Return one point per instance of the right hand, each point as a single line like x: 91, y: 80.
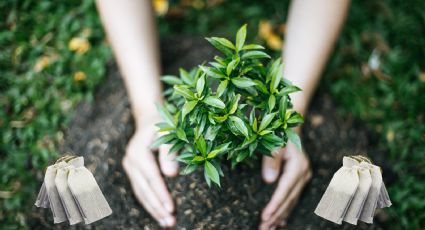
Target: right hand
x: 146, y: 180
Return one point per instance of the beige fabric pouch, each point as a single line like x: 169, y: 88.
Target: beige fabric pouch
x: 55, y: 203
x: 87, y: 195
x: 61, y: 181
x: 338, y: 196
x: 372, y: 198
x: 356, y: 206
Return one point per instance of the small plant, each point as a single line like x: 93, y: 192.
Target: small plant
x: 233, y: 109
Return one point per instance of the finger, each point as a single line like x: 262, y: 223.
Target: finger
x: 140, y: 193
x: 151, y: 172
x: 286, y: 182
x: 168, y: 166
x: 266, y: 226
x: 285, y: 209
x: 271, y: 167
x: 145, y: 183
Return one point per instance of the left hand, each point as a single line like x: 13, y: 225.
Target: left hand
x: 296, y: 173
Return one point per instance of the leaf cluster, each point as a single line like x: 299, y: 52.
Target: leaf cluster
x: 233, y: 108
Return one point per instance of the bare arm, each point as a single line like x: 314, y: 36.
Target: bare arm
x: 312, y: 29
x: 130, y: 26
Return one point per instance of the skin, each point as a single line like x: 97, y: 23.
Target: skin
x: 130, y: 26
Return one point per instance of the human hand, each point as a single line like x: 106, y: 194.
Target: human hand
x: 146, y: 180
x: 296, y: 173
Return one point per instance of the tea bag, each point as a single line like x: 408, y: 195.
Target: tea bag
x: 356, y: 206
x: 61, y: 181
x: 338, y: 196
x: 87, y: 195
x: 372, y: 198
x: 42, y: 199
x: 55, y: 204
x: 383, y: 199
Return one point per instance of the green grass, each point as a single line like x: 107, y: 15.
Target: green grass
x: 36, y: 105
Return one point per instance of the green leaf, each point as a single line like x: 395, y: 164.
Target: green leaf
x: 288, y: 89
x: 177, y: 147
x: 266, y: 121
x: 200, y: 85
x: 185, y: 158
x: 240, y: 37
x: 242, y: 156
x: 235, y: 104
x: 212, y: 154
x: 222, y: 87
x: 201, y: 145
x: 207, y: 178
x: 240, y: 125
x: 212, y: 172
x: 276, y: 77
x: 222, y: 148
x: 188, y: 107
x: 265, y: 132
x: 243, y: 82
x: 223, y: 42
x: 259, y: 85
x: 294, y: 138
x: 184, y: 91
x: 212, y: 132
x: 232, y: 65
x: 255, y: 55
x: 273, y: 70
x: 171, y: 80
x: 198, y: 159
x: 252, y: 47
x: 185, y: 76
x: 283, y: 104
x: 189, y: 169
x: 165, y: 139
x: 181, y: 134
x: 215, y: 102
x: 272, y: 102
x: 212, y: 72
x: 296, y: 118
x: 163, y: 127
x: 163, y: 112
x: 220, y: 46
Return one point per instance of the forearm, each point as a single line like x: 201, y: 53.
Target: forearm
x: 312, y: 29
x: 131, y: 30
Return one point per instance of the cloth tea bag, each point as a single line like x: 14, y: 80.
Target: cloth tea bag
x: 372, y: 198
x: 356, y: 206
x: 55, y: 204
x: 61, y: 181
x: 383, y: 199
x: 71, y: 210
x: 42, y: 199
x: 338, y: 196
x: 87, y: 195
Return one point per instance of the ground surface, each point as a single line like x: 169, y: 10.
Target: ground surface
x: 101, y: 129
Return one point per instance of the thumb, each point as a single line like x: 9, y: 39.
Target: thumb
x: 271, y: 166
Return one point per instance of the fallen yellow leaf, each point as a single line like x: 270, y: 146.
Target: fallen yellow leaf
x: 274, y: 42
x: 160, y: 6
x: 264, y: 29
x: 41, y: 63
x: 422, y: 76
x: 79, y: 76
x: 79, y: 45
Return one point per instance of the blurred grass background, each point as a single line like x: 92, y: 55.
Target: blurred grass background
x: 53, y: 55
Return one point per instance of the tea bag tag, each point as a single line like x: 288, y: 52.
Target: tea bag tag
x: 338, y: 196
x: 87, y: 195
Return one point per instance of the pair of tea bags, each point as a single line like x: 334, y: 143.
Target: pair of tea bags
x: 70, y: 190
x: 354, y: 193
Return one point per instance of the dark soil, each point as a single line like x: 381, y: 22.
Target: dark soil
x: 101, y: 129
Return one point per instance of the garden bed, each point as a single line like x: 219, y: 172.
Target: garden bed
x: 101, y: 129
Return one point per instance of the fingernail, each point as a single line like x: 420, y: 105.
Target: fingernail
x: 168, y: 207
x: 270, y: 174
x: 162, y: 222
x: 169, y: 221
